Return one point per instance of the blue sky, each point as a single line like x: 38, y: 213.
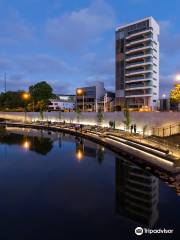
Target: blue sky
x: 70, y: 43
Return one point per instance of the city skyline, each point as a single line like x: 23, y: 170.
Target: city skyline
x: 37, y: 42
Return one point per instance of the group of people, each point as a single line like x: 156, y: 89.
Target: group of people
x: 133, y: 128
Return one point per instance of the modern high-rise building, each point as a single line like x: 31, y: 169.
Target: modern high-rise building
x: 137, y: 65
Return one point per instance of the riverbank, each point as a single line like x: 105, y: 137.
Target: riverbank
x: 138, y: 152
x: 151, y: 121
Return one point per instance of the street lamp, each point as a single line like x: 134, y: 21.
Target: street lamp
x: 164, y: 96
x: 177, y: 78
x: 80, y: 92
x: 25, y: 97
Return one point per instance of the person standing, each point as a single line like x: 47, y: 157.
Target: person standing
x: 131, y: 128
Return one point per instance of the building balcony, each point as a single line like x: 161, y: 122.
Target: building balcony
x: 137, y: 64
x: 139, y: 41
x: 138, y: 79
x: 140, y: 48
x: 138, y: 87
x: 139, y: 33
x: 139, y: 95
x: 137, y: 72
x: 138, y: 56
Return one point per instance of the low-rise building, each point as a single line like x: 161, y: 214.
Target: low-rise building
x: 87, y: 97
x: 66, y: 98
x: 56, y: 105
x: 107, y: 102
x: 63, y: 102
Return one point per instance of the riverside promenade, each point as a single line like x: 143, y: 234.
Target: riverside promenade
x: 133, y: 147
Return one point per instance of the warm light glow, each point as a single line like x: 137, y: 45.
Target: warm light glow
x: 79, y: 91
x: 26, y: 145
x: 177, y: 77
x: 25, y: 96
x: 79, y: 155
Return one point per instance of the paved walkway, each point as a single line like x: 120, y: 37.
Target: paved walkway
x: 99, y: 131
x: 151, y: 141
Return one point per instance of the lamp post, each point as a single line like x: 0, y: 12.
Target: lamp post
x: 33, y: 101
x: 25, y: 97
x: 80, y: 92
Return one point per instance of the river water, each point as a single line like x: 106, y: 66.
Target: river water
x: 57, y: 186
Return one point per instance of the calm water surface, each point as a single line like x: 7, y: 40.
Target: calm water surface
x: 56, y: 186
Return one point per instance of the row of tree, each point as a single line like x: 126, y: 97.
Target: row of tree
x: 37, y: 98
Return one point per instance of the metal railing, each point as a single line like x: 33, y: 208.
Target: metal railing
x: 170, y: 130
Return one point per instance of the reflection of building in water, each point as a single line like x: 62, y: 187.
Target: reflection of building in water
x: 137, y: 193
x: 89, y: 149
x: 60, y: 140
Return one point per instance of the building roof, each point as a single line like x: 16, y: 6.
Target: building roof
x: 135, y: 22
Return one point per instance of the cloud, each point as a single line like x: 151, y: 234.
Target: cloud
x: 102, y: 66
x: 15, y: 31
x: 99, y: 67
x: 169, y: 39
x: 77, y: 29
x: 23, y: 70
x: 5, y: 64
x: 61, y: 86
x: 166, y: 83
x: 42, y: 63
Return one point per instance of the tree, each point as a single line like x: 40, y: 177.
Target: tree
x: 40, y: 94
x: 41, y: 107
x: 144, y: 130
x: 127, y: 118
x: 12, y: 100
x: 41, y: 91
x: 100, y: 117
x: 175, y: 94
x: 78, y: 114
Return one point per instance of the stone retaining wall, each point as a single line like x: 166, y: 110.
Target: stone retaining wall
x: 151, y: 119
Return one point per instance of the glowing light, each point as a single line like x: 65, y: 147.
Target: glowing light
x: 164, y: 95
x: 25, y: 96
x: 79, y: 91
x: 79, y: 155
x: 177, y: 77
x: 26, y: 145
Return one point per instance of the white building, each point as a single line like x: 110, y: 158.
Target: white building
x: 87, y: 97
x: 56, y: 104
x: 137, y: 65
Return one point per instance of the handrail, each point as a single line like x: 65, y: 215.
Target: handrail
x: 165, y: 131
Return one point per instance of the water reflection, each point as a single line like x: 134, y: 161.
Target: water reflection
x: 26, y: 145
x: 88, y: 149
x: 58, y: 192
x: 137, y: 193
x: 39, y: 145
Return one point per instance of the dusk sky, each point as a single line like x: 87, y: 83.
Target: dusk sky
x: 70, y: 43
